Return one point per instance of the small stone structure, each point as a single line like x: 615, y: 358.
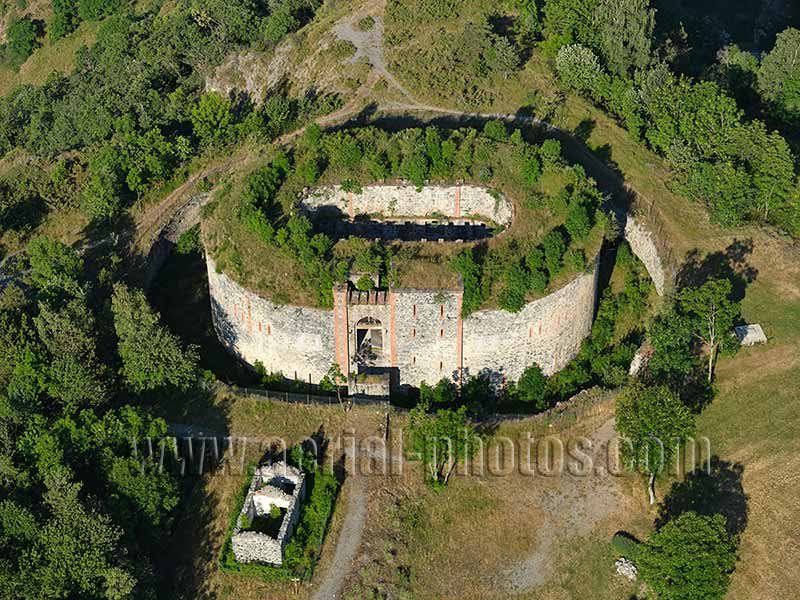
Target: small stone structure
x: 626, y: 568
x: 750, y: 335
x: 277, y: 485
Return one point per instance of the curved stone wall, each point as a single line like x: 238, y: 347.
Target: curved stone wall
x: 423, y: 334
x: 294, y: 340
x: 454, y: 201
x: 548, y: 332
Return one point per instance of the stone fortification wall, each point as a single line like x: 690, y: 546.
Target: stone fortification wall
x: 424, y: 336
x: 295, y: 340
x: 643, y: 245
x: 548, y: 332
x: 427, y: 325
x: 454, y: 201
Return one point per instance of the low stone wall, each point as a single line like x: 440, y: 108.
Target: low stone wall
x: 453, y: 201
x: 548, y: 332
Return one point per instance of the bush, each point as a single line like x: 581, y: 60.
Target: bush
x: 366, y: 24
x: 365, y: 283
x: 22, y: 35
x: 531, y: 387
x: 625, y: 545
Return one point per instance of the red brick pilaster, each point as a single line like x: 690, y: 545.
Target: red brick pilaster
x: 350, y: 208
x: 340, y: 337
x: 392, y: 329
x: 457, y: 210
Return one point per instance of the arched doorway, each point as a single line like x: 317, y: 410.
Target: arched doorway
x: 369, y: 341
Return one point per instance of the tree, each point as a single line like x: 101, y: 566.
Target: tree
x: 333, y: 381
x: 625, y: 34
x: 653, y: 422
x: 579, y: 69
x: 74, y: 552
x: 22, y: 35
x: 690, y: 557
x: 75, y: 375
x: 152, y: 357
x: 441, y: 440
x: 531, y: 387
x: 779, y: 75
x: 443, y: 393
x: 211, y: 119
x: 671, y: 338
x: 713, y: 314
x: 568, y: 22
x: 65, y: 19
x: 56, y: 270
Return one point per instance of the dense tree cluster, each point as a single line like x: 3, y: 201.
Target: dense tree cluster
x: 80, y: 514
x: 133, y: 109
x: 739, y: 168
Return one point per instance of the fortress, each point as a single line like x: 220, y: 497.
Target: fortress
x: 403, y: 334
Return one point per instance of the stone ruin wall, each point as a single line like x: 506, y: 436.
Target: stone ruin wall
x: 252, y: 546
x: 643, y: 245
x: 548, y: 332
x: 453, y: 201
x: 425, y: 337
x: 294, y: 340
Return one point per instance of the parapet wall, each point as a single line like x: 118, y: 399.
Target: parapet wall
x: 453, y: 201
x: 424, y: 336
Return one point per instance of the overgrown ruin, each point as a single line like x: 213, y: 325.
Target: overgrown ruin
x: 270, y: 512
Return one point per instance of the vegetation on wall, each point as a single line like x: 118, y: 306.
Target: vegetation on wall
x: 507, y: 271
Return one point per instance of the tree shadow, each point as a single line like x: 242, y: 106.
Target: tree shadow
x: 731, y: 263
x: 718, y: 491
x: 584, y: 129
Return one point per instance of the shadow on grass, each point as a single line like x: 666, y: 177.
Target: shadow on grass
x: 730, y: 263
x: 719, y: 491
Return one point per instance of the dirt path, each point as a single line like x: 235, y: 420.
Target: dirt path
x: 575, y: 505
x: 348, y: 542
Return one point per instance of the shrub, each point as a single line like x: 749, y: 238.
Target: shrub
x: 367, y: 23
x: 365, y: 283
x: 22, y: 35
x: 531, y: 387
x: 554, y: 247
x: 625, y: 545
x: 578, y: 223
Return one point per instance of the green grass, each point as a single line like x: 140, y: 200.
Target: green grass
x: 51, y: 56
